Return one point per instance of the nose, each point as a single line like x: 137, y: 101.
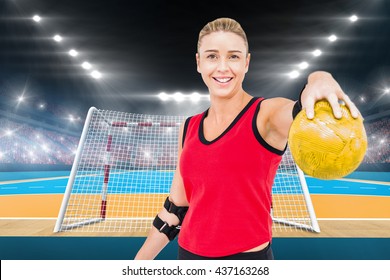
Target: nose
x: 223, y: 65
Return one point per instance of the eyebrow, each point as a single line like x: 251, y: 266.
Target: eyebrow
x: 231, y: 51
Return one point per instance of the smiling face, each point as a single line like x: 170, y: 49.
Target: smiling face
x: 222, y: 60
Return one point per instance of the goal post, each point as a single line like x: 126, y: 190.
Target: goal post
x: 68, y: 190
x: 295, y: 209
x: 123, y: 169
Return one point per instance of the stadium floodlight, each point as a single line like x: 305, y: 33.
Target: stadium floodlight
x: 294, y: 74
x: 303, y: 65
x: 332, y: 38
x: 45, y: 148
x: 57, y: 38
x: 163, y: 96
x: 36, y: 18
x: 353, y: 18
x: 9, y: 132
x: 96, y: 74
x: 178, y: 96
x: 387, y: 90
x: 195, y: 97
x: 317, y: 52
x: 73, y: 53
x: 86, y: 65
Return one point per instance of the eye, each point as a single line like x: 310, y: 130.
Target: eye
x: 212, y: 56
x: 234, y: 57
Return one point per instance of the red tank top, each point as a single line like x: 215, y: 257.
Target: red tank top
x: 228, y: 184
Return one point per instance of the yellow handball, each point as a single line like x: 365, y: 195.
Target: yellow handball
x: 326, y: 147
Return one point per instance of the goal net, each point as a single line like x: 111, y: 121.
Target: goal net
x: 123, y: 169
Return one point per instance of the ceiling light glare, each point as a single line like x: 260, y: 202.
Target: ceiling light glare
x: 317, y: 52
x: 96, y: 74
x: 353, y: 18
x: 86, y: 65
x: 73, y: 53
x: 303, y: 65
x: 178, y: 96
x: 57, y: 38
x: 294, y: 74
x: 36, y: 18
x: 195, y: 97
x: 332, y: 38
x: 163, y: 96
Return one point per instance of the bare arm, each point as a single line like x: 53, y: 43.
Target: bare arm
x: 275, y: 119
x: 156, y: 240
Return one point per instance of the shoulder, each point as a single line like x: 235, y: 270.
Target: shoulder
x: 189, y: 124
x: 272, y: 106
x: 275, y: 102
x: 193, y: 118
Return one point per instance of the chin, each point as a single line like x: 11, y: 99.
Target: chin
x: 220, y: 94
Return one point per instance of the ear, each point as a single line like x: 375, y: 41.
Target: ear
x: 248, y: 58
x: 197, y: 62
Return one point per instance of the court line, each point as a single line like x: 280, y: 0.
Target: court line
x: 28, y: 218
x: 363, y: 181
x: 353, y: 219
x: 32, y: 180
x: 65, y: 177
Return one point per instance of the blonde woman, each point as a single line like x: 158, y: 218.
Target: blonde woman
x: 220, y: 198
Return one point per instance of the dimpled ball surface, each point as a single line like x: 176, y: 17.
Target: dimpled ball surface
x: 326, y: 147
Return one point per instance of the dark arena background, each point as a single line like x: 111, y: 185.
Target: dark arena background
x: 59, y: 58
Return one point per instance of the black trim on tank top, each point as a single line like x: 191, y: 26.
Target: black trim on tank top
x: 236, y: 119
x: 258, y: 136
x: 185, y: 131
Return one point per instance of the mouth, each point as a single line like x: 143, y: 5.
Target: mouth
x: 223, y: 80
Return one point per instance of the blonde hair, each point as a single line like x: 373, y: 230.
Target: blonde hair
x: 225, y: 25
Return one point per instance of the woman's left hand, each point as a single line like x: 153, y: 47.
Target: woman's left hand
x: 322, y: 86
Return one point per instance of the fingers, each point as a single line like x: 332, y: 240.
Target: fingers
x: 321, y: 88
x: 308, y: 105
x: 351, y: 106
x: 334, y: 103
x: 310, y: 100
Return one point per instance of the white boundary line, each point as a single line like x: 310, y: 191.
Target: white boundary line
x: 353, y: 219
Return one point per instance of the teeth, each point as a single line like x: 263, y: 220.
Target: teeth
x: 223, y: 80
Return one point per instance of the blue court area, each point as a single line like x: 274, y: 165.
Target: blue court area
x: 125, y: 248
x: 54, y: 182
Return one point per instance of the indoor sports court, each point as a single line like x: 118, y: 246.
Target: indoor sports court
x: 33, y: 210
x: 92, y: 96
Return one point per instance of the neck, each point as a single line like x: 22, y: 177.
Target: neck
x: 222, y: 109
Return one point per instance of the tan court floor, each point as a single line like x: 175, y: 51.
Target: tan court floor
x: 326, y: 206
x: 368, y: 216
x: 329, y: 228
